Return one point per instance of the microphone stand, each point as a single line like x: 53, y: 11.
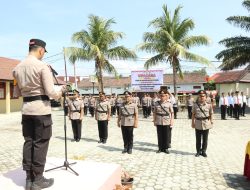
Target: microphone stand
x: 66, y: 164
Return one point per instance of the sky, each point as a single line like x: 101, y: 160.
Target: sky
x: 55, y: 22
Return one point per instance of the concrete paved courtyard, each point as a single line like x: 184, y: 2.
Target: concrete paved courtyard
x: 222, y: 169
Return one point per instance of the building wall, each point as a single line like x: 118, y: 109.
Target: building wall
x: 15, y: 105
x: 232, y: 87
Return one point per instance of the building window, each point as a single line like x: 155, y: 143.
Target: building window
x: 2, y: 90
x: 196, y: 87
x: 12, y: 91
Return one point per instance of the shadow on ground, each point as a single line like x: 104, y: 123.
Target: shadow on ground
x: 237, y: 181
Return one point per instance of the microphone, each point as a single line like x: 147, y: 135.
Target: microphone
x: 53, y: 70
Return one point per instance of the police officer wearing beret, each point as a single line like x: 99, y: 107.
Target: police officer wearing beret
x: 128, y: 120
x: 202, y: 121
x: 102, y: 115
x: 163, y: 119
x: 35, y: 84
x: 76, y: 114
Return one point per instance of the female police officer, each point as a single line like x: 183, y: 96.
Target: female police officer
x: 202, y: 121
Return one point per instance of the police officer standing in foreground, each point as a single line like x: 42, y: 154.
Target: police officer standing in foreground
x: 35, y: 84
x: 102, y: 115
x: 202, y: 121
x: 163, y: 119
x: 76, y: 114
x: 128, y: 120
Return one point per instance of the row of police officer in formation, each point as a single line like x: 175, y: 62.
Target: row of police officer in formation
x: 163, y: 119
x: 234, y: 104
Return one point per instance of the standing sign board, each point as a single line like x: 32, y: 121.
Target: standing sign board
x: 146, y: 80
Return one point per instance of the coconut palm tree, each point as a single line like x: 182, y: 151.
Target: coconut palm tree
x: 237, y: 52
x: 171, y: 42
x: 98, y: 44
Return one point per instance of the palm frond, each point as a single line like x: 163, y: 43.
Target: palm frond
x: 192, y: 41
x: 77, y: 54
x: 155, y: 60
x: 240, y: 21
x: 194, y: 57
x: 109, y: 68
x: 236, y: 41
x: 246, y: 4
x: 120, y: 52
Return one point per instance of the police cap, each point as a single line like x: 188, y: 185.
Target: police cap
x: 163, y: 91
x: 202, y: 92
x: 75, y: 90
x: 101, y: 93
x: 127, y: 93
x: 236, y: 91
x: 37, y: 42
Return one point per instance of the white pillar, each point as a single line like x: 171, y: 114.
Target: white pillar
x: 7, y: 100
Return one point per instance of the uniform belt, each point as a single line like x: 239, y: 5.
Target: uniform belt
x: 34, y: 98
x: 161, y: 114
x: 101, y: 111
x: 76, y: 111
x: 201, y: 118
x: 127, y: 115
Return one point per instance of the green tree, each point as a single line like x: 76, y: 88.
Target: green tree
x: 98, y: 44
x: 237, y: 52
x: 171, y: 42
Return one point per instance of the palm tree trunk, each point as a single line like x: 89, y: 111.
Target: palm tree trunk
x: 101, y: 81
x: 99, y: 75
x: 174, y: 77
x: 75, y: 75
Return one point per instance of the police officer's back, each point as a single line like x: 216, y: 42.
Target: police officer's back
x: 35, y: 84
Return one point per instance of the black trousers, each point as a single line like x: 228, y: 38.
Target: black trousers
x: 189, y: 112
x: 201, y: 140
x: 149, y: 109
x: 163, y: 136
x: 85, y: 110
x: 230, y: 110
x: 243, y: 109
x: 113, y: 110
x: 223, y: 109
x: 145, y: 111
x: 117, y: 109
x: 91, y: 111
x: 103, y: 130
x: 76, y: 128
x: 37, y: 130
x: 175, y: 112
x: 237, y: 110
x: 128, y: 136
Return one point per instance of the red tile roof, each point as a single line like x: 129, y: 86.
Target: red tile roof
x: 71, y: 79
x: 229, y: 76
x: 6, y: 67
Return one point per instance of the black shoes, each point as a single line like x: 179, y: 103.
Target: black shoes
x: 197, y: 154
x: 28, y: 184
x: 42, y: 183
x: 124, y: 151
x: 103, y: 141
x: 129, y: 151
x: 204, y: 154
x: 165, y: 151
x: 158, y: 151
